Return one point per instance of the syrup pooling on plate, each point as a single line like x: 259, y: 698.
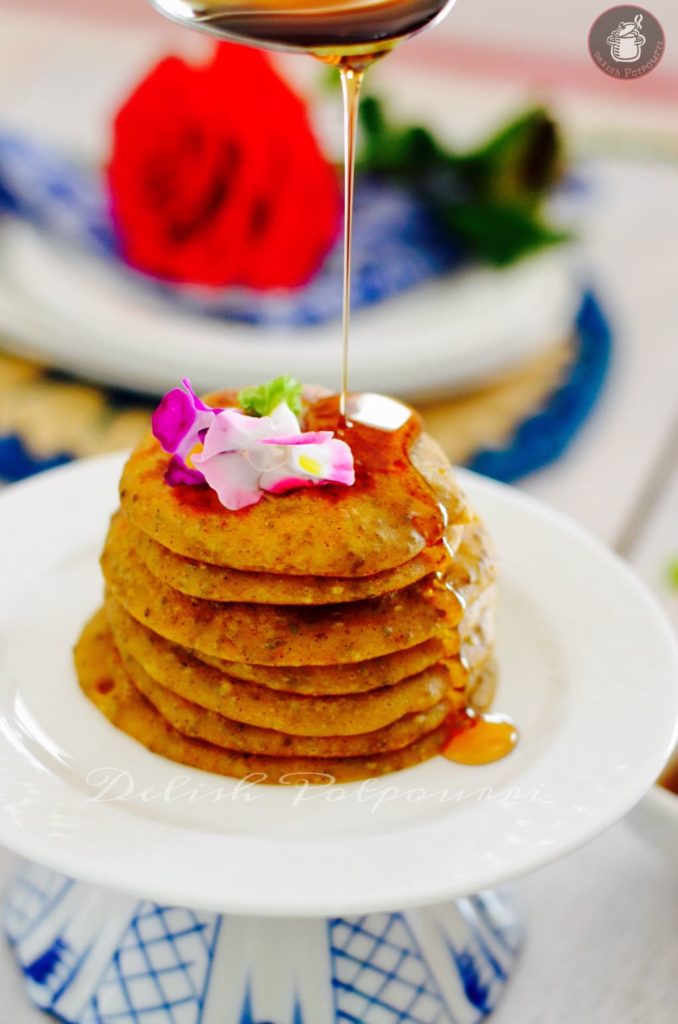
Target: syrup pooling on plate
x: 669, y: 778
x: 480, y: 738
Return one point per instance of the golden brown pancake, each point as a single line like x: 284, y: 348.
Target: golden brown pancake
x: 195, y: 721
x: 483, y: 683
x: 314, y: 680
x: 476, y: 630
x: 279, y: 635
x: 216, y: 583
x: 274, y: 709
x: 320, y: 531
x: 475, y: 561
x: 105, y: 681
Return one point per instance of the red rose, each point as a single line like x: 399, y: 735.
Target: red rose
x: 216, y: 177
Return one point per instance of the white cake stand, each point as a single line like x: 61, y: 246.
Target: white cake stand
x: 200, y: 900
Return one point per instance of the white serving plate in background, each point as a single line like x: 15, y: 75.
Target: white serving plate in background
x: 67, y: 307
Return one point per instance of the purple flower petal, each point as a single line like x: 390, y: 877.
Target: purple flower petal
x: 197, y: 402
x: 181, y: 419
x: 179, y: 473
x: 173, y: 419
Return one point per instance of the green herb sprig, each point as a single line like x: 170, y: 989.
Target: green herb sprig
x: 263, y: 399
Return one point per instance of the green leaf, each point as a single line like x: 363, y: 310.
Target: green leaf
x: 263, y: 399
x: 519, y: 165
x: 489, y: 197
x: 404, y: 153
x: 372, y: 117
x: 500, y: 233
x: 672, y: 573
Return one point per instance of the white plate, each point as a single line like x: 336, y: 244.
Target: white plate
x: 71, y: 309
x: 588, y: 670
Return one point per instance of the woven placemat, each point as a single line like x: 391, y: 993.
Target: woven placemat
x: 507, y: 428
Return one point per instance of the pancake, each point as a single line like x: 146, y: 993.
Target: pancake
x: 475, y: 561
x: 279, y: 635
x: 105, y: 681
x: 216, y: 583
x: 466, y: 555
x: 483, y: 683
x: 314, y: 680
x: 352, y: 677
x: 273, y: 709
x: 476, y: 630
x: 321, y: 531
x: 192, y: 720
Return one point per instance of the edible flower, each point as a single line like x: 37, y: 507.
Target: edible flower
x: 242, y: 456
x: 179, y: 424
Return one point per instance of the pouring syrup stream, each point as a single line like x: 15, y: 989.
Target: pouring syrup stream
x: 351, y: 82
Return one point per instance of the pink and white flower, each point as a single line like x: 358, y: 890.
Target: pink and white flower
x: 239, y: 456
x: 243, y: 456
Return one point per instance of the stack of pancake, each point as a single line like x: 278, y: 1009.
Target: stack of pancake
x: 317, y: 634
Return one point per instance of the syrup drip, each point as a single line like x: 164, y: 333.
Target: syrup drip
x: 480, y: 738
x: 669, y: 779
x: 380, y: 432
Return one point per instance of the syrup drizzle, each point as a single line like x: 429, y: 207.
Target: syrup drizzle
x: 381, y: 432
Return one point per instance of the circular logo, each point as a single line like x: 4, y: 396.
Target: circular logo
x: 626, y: 42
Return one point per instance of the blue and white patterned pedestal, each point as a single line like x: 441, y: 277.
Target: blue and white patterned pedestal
x: 94, y: 957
